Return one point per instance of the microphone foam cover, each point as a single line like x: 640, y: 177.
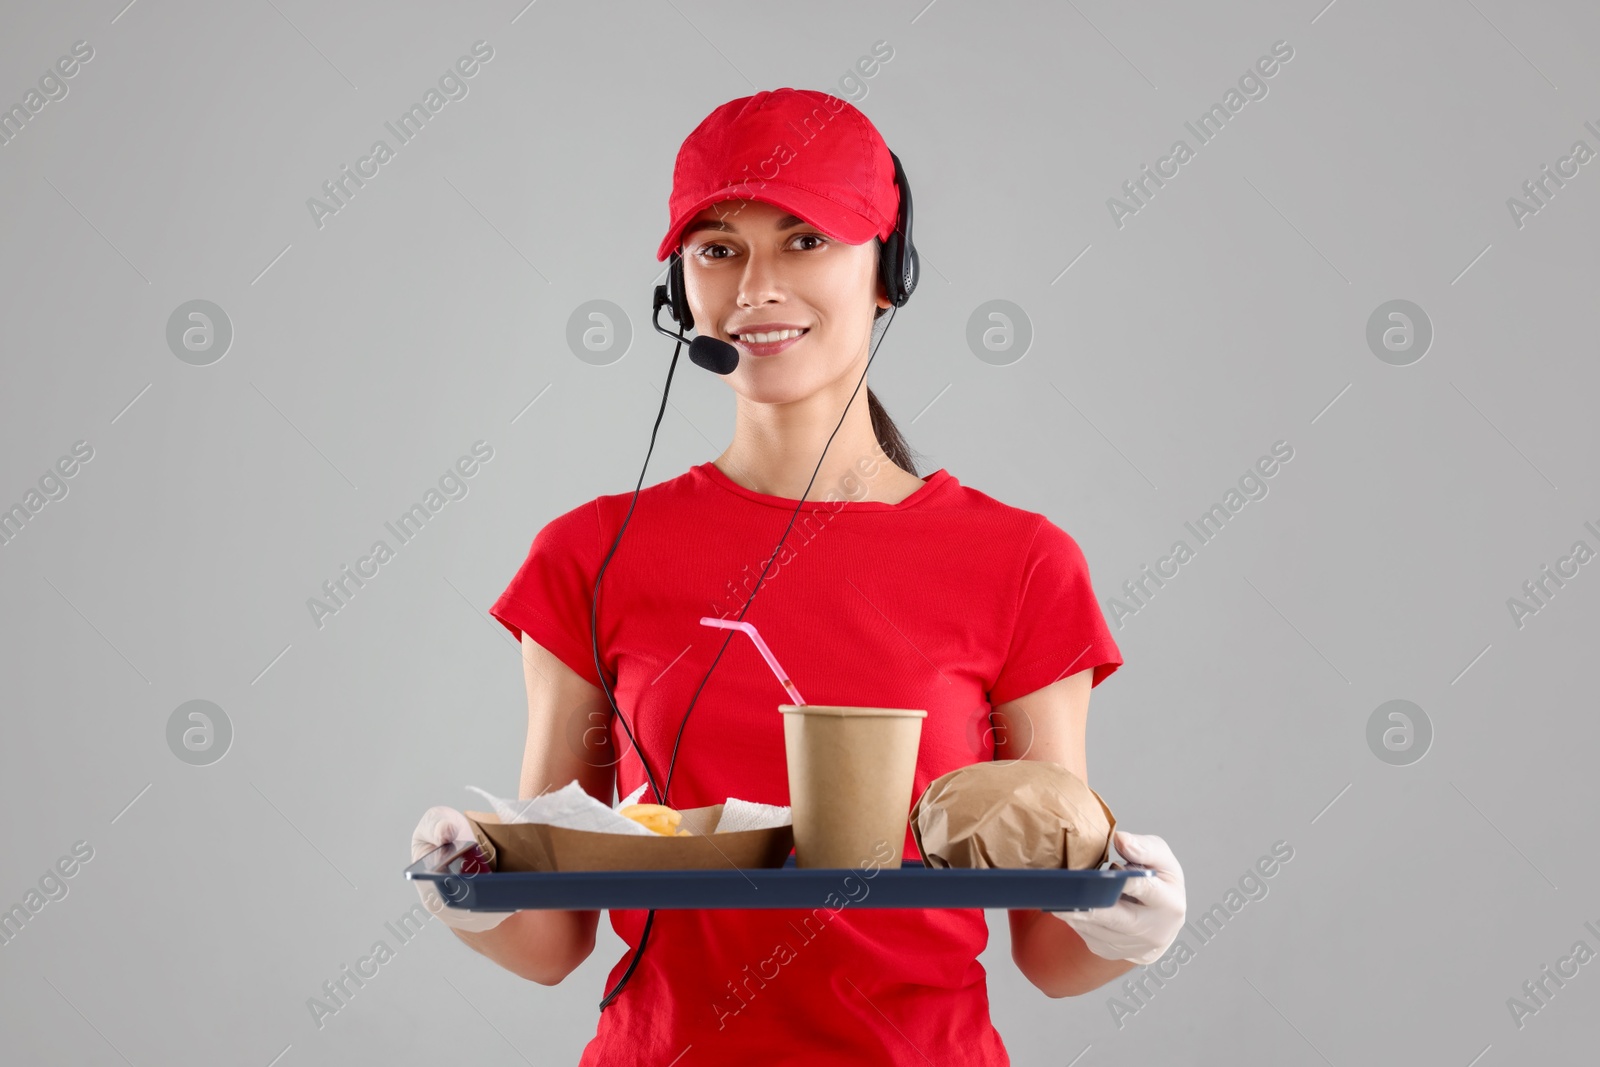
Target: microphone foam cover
x: 713, y: 354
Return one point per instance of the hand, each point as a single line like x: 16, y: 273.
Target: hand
x: 439, y: 826
x: 1141, y: 929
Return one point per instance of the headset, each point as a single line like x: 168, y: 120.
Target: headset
x: 898, y: 268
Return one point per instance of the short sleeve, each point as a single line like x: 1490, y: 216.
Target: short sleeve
x: 549, y: 598
x: 1059, y: 629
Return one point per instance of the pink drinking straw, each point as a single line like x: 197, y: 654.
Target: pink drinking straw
x: 761, y: 646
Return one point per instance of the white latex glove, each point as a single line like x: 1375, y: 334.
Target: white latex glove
x: 438, y: 826
x: 1142, y: 929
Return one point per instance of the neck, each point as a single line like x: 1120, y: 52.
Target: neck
x: 775, y: 448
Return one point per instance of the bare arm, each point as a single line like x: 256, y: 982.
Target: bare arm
x: 1051, y: 724
x: 568, y: 738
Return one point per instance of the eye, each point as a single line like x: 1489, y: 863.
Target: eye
x: 704, y: 251
x: 821, y: 240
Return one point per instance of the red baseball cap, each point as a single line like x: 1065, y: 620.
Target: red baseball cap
x: 807, y: 152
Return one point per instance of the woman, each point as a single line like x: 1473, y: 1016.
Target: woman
x: 893, y: 590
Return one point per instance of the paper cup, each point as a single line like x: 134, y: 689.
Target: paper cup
x: 851, y: 771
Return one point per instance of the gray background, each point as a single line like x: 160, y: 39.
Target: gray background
x: 369, y: 354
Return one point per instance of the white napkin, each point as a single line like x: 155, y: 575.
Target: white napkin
x: 572, y: 807
x: 748, y: 815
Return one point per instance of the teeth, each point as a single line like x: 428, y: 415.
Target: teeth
x: 766, y: 338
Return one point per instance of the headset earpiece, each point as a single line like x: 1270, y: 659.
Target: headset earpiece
x: 672, y: 296
x: 677, y: 299
x: 897, y: 260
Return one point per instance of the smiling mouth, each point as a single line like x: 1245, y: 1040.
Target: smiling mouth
x: 771, y: 337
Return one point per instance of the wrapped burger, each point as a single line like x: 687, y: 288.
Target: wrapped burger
x: 1012, y: 813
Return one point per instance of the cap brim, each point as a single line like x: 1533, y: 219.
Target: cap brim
x: 839, y: 223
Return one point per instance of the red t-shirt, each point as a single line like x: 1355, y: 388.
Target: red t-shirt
x: 948, y: 601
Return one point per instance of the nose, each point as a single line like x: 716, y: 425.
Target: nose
x: 760, y: 283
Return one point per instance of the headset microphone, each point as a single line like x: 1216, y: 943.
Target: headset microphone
x: 898, y: 268
x: 712, y: 353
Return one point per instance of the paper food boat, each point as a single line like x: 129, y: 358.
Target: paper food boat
x: 533, y: 846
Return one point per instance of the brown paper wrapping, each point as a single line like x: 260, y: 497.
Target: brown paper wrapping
x: 1012, y: 813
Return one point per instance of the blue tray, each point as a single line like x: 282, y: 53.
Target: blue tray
x: 464, y: 880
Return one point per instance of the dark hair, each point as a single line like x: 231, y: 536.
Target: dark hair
x: 890, y: 439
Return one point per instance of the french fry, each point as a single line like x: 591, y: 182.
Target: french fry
x: 656, y: 817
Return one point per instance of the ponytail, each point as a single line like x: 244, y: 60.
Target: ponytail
x: 888, y: 434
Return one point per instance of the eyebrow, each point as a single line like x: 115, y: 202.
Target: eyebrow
x: 788, y: 222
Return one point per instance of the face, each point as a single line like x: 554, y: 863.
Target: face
x: 750, y: 267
